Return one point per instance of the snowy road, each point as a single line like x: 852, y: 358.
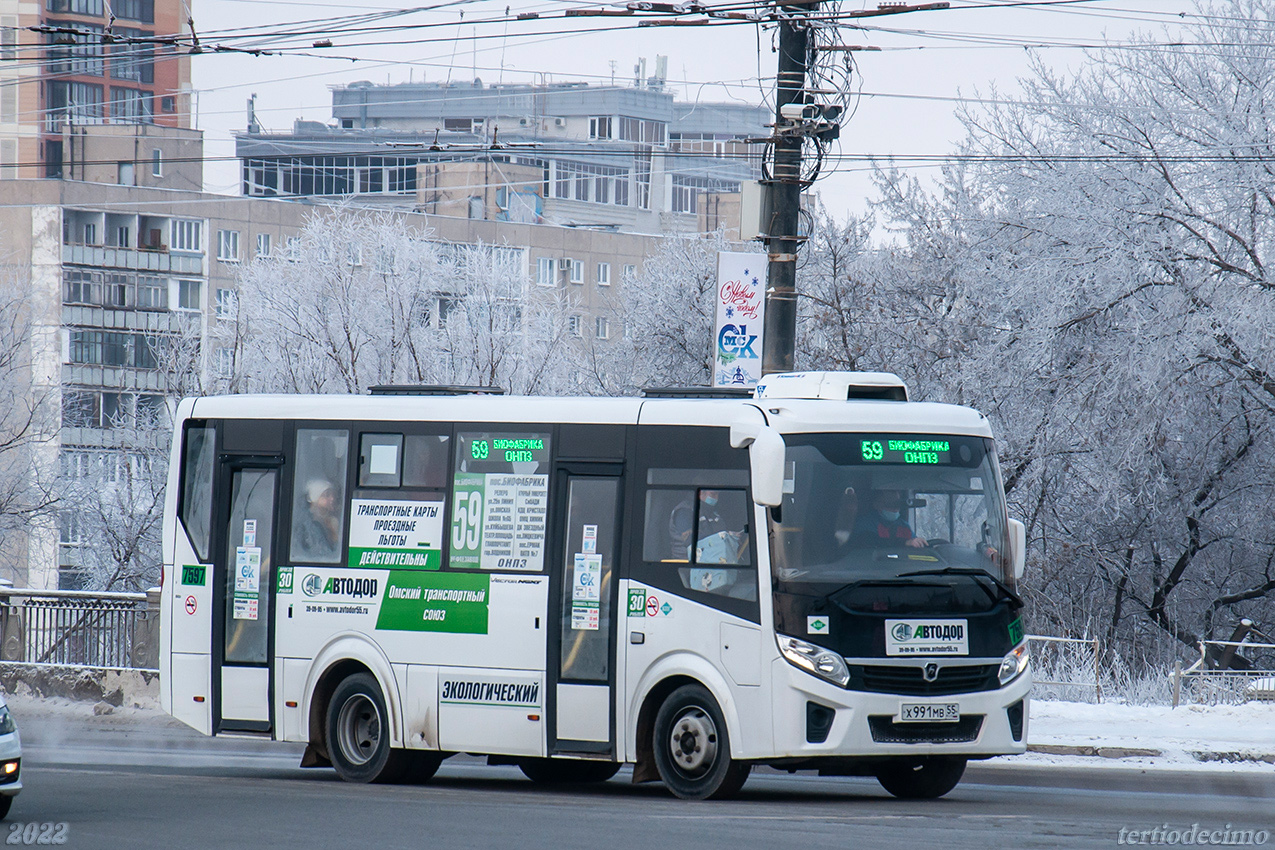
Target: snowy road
x: 140, y: 781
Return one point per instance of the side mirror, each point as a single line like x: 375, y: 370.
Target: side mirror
x: 765, y: 459
x: 1018, y: 543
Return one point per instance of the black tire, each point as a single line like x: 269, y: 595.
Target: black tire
x: 927, y: 779
x: 359, y: 733
x: 6, y: 803
x: 421, y: 766
x: 692, y: 747
x: 567, y: 771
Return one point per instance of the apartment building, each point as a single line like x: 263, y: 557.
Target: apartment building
x: 70, y: 65
x: 631, y: 158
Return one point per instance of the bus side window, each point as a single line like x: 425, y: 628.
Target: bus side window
x: 706, y: 529
x: 426, y: 461
x: 318, y: 495
x: 197, y: 487
x: 380, y: 460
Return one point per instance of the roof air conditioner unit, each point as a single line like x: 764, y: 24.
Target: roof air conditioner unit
x: 564, y: 264
x: 559, y: 122
x: 523, y: 122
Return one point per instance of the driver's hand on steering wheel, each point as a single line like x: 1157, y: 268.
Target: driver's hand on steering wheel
x: 917, y: 542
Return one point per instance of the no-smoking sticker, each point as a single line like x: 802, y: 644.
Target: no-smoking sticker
x: 192, y: 605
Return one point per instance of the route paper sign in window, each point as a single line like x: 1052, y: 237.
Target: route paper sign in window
x: 396, y: 533
x: 500, y: 500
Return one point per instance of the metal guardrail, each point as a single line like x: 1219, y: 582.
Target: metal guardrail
x: 1221, y: 687
x: 80, y: 628
x: 1093, y: 644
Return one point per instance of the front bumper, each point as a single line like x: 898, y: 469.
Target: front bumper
x: 862, y: 722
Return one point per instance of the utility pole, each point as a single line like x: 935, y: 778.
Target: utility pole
x: 799, y: 118
x: 784, y: 194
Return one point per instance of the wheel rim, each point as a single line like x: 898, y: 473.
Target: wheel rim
x: 359, y: 729
x: 693, y: 742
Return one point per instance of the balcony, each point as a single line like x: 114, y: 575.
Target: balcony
x: 132, y: 259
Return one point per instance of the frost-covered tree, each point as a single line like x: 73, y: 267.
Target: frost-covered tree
x: 361, y: 298
x: 1100, y: 276
x: 28, y: 422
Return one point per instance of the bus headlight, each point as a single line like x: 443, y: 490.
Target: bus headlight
x: 824, y: 663
x: 1014, y: 664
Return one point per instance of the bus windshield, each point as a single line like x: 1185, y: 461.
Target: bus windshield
x: 903, y: 511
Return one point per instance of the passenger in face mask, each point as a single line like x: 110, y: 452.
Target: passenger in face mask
x: 885, y: 522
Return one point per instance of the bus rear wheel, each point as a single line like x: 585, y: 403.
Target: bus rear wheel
x: 927, y: 779
x: 359, y: 733
x: 567, y: 771
x: 692, y: 747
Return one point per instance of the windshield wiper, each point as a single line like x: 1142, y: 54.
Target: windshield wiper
x: 972, y: 572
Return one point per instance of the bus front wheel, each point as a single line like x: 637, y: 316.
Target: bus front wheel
x: 692, y: 747
x: 927, y: 779
x: 359, y: 733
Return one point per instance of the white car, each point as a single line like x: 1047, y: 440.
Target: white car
x: 10, y: 759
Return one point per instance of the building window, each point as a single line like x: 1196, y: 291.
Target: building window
x: 132, y: 60
x: 573, y: 325
x: 8, y: 102
x: 225, y: 362
x: 228, y: 246
x: 130, y: 106
x: 134, y: 10
x: 225, y: 303
x: 190, y: 294
x: 115, y: 289
x: 152, y: 293
x: 81, y: 286
x: 123, y: 236
x: 630, y: 272
x: 157, y: 163
x: 604, y: 274
x: 168, y: 104
x: 263, y: 244
x: 126, y: 174
x: 577, y: 271
x: 600, y: 127
x: 8, y: 159
x: 8, y: 38
x: 76, y: 7
x: 187, y: 236
x: 599, y: 184
x: 75, y: 48
x: 90, y: 234
x: 544, y: 271
x: 112, y: 348
x: 603, y: 328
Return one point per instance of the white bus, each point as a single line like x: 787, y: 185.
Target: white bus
x: 818, y: 576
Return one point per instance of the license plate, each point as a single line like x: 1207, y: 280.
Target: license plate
x: 943, y: 712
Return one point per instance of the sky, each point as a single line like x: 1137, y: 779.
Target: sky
x: 909, y: 90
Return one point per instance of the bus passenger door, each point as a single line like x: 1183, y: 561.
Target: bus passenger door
x: 243, y: 581
x: 581, y: 657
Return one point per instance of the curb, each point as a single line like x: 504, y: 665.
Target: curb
x: 1101, y: 752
